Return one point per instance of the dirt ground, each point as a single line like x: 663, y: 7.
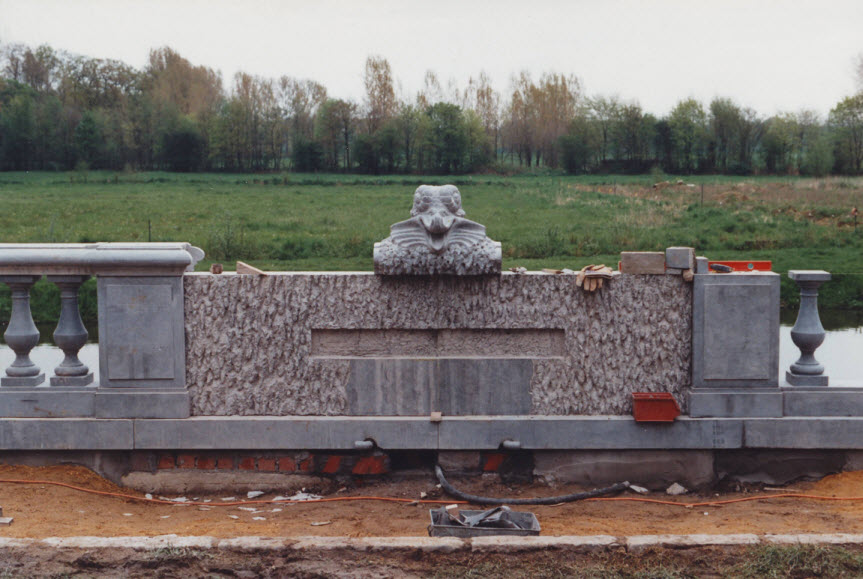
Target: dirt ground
x: 49, y: 511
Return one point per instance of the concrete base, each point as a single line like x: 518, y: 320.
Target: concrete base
x: 220, y: 482
x: 72, y: 380
x: 141, y: 403
x: 778, y: 466
x: 727, y: 403
x: 22, y: 381
x: 806, y: 380
x: 654, y: 469
x: 46, y: 402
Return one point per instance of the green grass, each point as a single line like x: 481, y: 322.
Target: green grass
x: 330, y: 222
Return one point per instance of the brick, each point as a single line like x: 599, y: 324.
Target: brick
x: 206, y: 463
x: 225, y: 463
x: 287, y: 464
x: 642, y: 262
x: 185, y: 461
x: 247, y: 463
x: 305, y: 465
x: 165, y: 462
x: 331, y: 466
x: 371, y: 465
x: 493, y: 462
x: 141, y: 461
x: 267, y: 464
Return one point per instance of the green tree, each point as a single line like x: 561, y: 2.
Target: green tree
x: 17, y: 125
x: 88, y: 139
x: 448, y: 137
x: 688, y: 124
x: 846, y: 120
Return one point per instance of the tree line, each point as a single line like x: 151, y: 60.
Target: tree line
x: 61, y: 111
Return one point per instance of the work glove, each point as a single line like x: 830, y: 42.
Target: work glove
x: 590, y: 277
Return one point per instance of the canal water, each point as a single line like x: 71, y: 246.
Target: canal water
x: 841, y: 353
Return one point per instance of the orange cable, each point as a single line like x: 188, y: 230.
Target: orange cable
x: 427, y: 501
x: 225, y: 504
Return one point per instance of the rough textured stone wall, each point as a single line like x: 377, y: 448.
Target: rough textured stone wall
x: 249, y: 338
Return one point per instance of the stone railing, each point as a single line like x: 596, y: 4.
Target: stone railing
x: 175, y: 344
x: 141, y: 352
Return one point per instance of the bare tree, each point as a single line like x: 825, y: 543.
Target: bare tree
x: 380, y: 103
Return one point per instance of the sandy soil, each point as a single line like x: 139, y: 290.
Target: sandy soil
x: 50, y: 511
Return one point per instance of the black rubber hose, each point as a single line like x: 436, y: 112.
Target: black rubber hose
x: 451, y: 490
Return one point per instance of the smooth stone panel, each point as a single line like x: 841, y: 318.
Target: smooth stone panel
x: 804, y: 432
x: 484, y: 386
x: 735, y: 332
x: 335, y: 433
x: 127, y: 403
x: 550, y: 433
x: 141, y: 332
x: 65, y: 434
x: 823, y: 402
x: 46, y: 402
x: 389, y: 387
x: 709, y: 402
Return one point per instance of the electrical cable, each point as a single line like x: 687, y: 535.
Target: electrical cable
x: 534, y: 501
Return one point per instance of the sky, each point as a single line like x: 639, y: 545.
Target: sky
x: 771, y: 55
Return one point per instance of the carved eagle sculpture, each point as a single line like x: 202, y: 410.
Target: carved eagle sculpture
x: 437, y: 221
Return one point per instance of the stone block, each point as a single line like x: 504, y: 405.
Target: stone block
x: 735, y: 330
x: 702, y: 265
x: 674, y: 271
x: 46, y: 402
x: 735, y: 403
x: 680, y: 257
x: 73, y: 381
x: 454, y: 386
x: 648, y: 468
x: 823, y: 401
x: 642, y: 262
x: 22, y: 381
x: 806, y: 380
x: 140, y: 403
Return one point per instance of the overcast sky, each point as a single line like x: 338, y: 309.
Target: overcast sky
x: 768, y: 54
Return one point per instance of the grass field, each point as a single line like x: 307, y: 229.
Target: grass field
x: 330, y: 222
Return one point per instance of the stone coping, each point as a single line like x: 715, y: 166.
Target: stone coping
x: 98, y: 258
x: 634, y: 543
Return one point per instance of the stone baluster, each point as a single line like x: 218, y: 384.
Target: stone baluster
x: 807, y: 333
x: 70, y: 335
x: 21, y: 335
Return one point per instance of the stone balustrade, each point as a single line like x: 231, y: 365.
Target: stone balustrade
x: 141, y: 357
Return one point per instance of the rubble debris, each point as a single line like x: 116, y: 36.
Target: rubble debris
x: 676, y: 489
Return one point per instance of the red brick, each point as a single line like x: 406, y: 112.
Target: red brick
x: 371, y: 465
x: 305, y: 465
x: 267, y: 464
x: 206, y: 463
x: 493, y: 462
x: 332, y: 464
x: 166, y: 461
x: 225, y: 463
x: 185, y: 461
x: 247, y: 463
x: 287, y: 464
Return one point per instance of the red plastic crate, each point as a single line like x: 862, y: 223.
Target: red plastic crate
x: 654, y: 407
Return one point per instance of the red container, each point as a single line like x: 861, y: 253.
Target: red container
x: 654, y: 407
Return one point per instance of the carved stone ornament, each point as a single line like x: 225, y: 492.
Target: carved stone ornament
x: 437, y: 239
